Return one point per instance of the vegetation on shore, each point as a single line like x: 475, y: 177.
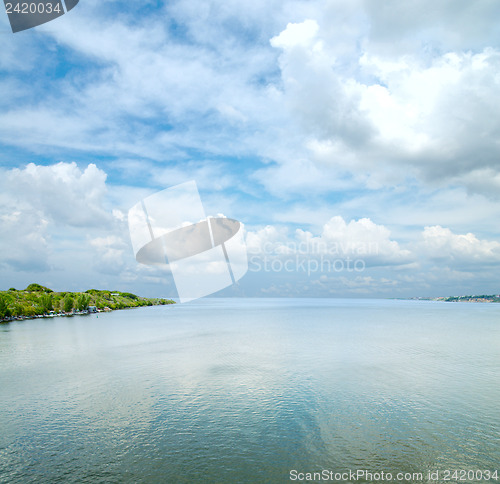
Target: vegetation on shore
x: 37, y: 300
x: 482, y: 298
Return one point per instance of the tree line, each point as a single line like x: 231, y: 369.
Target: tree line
x: 39, y: 300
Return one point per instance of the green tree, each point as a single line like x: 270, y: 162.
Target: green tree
x: 4, y: 309
x: 27, y: 310
x: 68, y: 303
x: 17, y: 310
x: 82, y: 302
x: 46, y: 303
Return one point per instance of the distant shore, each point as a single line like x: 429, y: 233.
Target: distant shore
x: 476, y: 299
x: 37, y: 301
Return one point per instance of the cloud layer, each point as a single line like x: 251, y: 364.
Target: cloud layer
x: 336, y: 124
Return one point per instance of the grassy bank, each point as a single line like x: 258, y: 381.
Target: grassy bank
x: 38, y: 301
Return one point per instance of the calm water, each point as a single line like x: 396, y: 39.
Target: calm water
x: 230, y: 391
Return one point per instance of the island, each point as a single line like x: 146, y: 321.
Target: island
x: 37, y: 301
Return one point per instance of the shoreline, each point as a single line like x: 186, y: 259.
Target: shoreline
x: 10, y: 319
x: 39, y: 302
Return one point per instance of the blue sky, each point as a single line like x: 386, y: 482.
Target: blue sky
x: 368, y: 127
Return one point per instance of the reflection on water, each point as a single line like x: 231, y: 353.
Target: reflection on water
x: 227, y: 391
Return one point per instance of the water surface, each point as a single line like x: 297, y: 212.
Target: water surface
x: 245, y: 390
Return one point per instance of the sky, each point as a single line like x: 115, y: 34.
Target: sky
x: 358, y: 142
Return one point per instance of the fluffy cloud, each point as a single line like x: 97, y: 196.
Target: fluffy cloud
x: 40, y: 203
x: 360, y: 257
x: 144, y: 91
x: 63, y: 192
x: 61, y: 227
x: 284, y: 112
x: 386, y: 117
x: 359, y: 239
x: 322, y: 91
x: 439, y: 117
x: 458, y: 250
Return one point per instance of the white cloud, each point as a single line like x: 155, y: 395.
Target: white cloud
x: 358, y: 239
x: 43, y: 208
x: 139, y: 72
x: 384, y: 118
x: 360, y: 258
x: 296, y: 35
x: 434, y: 115
x: 458, y: 250
x: 62, y: 193
x: 283, y: 112
x: 344, y: 111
